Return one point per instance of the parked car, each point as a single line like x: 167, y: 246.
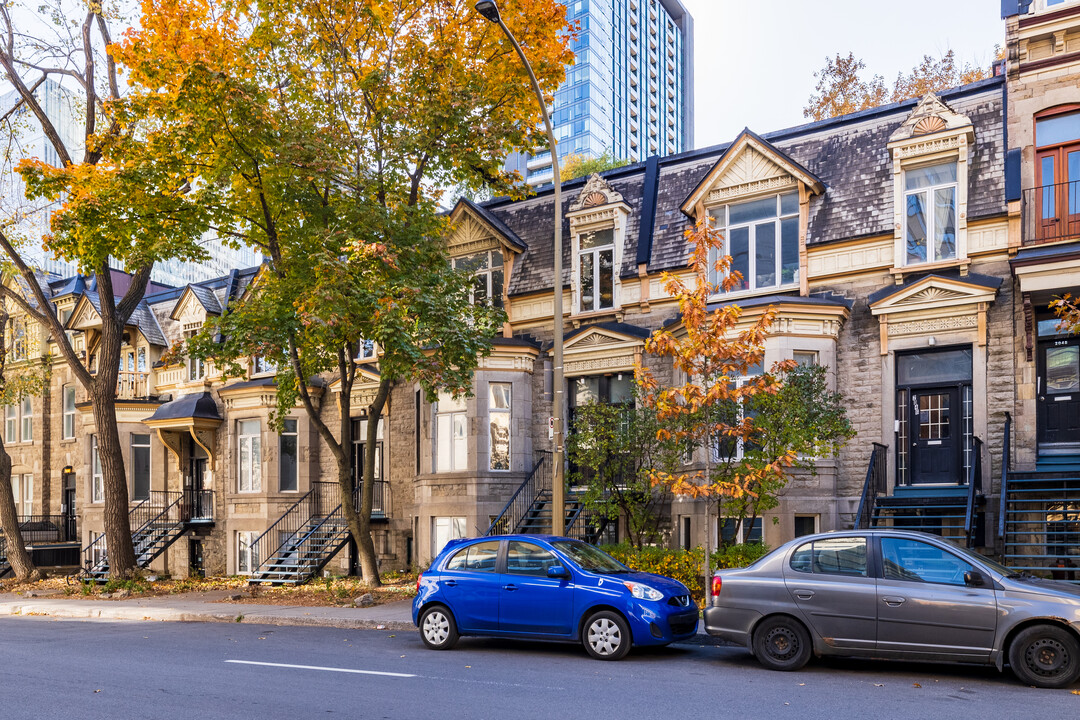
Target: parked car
x: 548, y: 588
x: 897, y: 594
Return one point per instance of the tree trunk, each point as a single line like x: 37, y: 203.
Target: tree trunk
x: 17, y: 556
x: 120, y: 550
x: 365, y: 544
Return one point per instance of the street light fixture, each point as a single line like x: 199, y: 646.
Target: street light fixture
x: 490, y: 11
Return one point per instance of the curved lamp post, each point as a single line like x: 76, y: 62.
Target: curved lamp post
x: 490, y: 10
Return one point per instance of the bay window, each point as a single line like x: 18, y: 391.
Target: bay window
x: 930, y: 213
x: 596, y: 270
x: 762, y: 238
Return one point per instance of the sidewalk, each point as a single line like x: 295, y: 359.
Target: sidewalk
x: 207, y: 607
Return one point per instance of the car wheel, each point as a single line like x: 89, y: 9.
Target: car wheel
x: 1045, y: 656
x: 606, y: 636
x: 782, y: 643
x: 437, y: 628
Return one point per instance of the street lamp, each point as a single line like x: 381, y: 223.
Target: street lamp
x: 490, y: 11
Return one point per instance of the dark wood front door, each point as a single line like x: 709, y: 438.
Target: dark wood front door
x: 936, y: 436
x: 1058, y: 401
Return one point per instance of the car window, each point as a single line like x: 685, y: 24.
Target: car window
x: 524, y: 558
x: 477, y: 558
x: 904, y: 559
x: 831, y: 556
x: 589, y: 557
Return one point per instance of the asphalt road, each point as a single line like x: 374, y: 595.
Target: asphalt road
x: 73, y: 669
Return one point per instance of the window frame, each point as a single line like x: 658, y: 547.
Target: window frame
x: 254, y: 454
x: 881, y: 540
x: 295, y: 435
x: 594, y: 252
x: 454, y: 415
x: 26, y: 419
x: 97, y: 477
x: 246, y: 554
x: 870, y: 572
x: 453, y: 523
x: 132, y: 446
x: 929, y: 211
x: 495, y: 295
x: 508, y: 414
x: 11, y: 424
x: 68, y: 413
x: 750, y: 278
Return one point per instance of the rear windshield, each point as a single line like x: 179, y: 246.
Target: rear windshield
x: 589, y: 557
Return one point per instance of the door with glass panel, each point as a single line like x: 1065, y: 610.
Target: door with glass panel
x: 1057, y: 175
x: 1058, y: 399
x: 934, y: 416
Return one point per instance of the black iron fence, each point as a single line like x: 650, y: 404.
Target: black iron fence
x: 537, y: 483
x: 1051, y: 213
x: 875, y: 484
x: 46, y: 528
x: 974, y: 488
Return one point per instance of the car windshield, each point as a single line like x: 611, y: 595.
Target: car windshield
x: 993, y: 565
x: 589, y: 557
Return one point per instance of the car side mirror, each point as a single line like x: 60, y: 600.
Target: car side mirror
x: 557, y: 571
x: 974, y: 578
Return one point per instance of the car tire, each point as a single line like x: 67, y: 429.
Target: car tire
x: 438, y: 629
x: 782, y: 643
x: 606, y: 636
x: 1045, y: 656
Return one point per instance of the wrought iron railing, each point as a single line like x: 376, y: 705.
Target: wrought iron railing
x: 198, y: 506
x: 380, y: 493
x: 320, y: 502
x: 537, y: 483
x: 585, y: 526
x: 46, y: 528
x: 874, y: 485
x: 1051, y: 213
x: 974, y: 488
x: 1006, y: 443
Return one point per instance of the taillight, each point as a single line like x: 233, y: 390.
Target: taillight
x: 418, y: 578
x: 716, y: 583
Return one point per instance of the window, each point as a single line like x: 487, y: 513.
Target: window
x: 18, y: 340
x: 1057, y: 168
x: 445, y: 529
x: 451, y: 438
x: 596, y: 270
x: 499, y: 424
x: 834, y: 556
x: 98, y: 551
x: 730, y: 448
x: 142, y: 360
x: 196, y: 368
x: 97, y: 479
x: 684, y: 532
x: 287, y: 464
x: 749, y: 531
x: 260, y: 366
x: 805, y: 525
x: 247, y: 555
x: 27, y: 419
x: 805, y: 357
x: 480, y: 557
x: 524, y: 558
x: 22, y: 489
x: 762, y: 238
x: 916, y: 561
x: 249, y: 478
x: 366, y: 350
x: 69, y: 412
x: 930, y: 202
x: 11, y: 424
x: 140, y: 466
x: 487, y: 271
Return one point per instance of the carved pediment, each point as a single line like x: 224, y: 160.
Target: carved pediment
x: 596, y: 192
x: 189, y: 312
x: 474, y: 229
x: 85, y: 316
x: 470, y: 236
x: 934, y: 293
x: 930, y: 116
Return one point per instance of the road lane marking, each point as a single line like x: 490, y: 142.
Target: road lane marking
x: 324, y: 669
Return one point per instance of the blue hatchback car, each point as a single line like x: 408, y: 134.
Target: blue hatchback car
x: 548, y: 588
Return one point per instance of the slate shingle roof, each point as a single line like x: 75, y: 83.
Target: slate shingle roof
x: 143, y: 318
x: 207, y: 297
x: 849, y: 154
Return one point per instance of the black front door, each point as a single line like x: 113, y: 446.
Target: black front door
x: 195, y: 559
x: 68, y: 507
x: 936, y: 435
x: 1058, y: 399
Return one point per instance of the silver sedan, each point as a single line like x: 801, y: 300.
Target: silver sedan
x: 900, y: 595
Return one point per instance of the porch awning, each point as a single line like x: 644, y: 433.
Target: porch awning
x: 185, y: 409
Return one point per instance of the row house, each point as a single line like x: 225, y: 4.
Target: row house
x: 911, y: 249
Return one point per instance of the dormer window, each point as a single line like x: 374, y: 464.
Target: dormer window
x: 366, y: 350
x: 596, y: 276
x: 762, y: 238
x: 487, y: 271
x: 930, y: 213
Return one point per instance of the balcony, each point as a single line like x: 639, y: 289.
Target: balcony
x: 1051, y: 213
x: 132, y: 385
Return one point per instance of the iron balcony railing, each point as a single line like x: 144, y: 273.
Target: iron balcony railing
x: 46, y: 529
x: 1051, y: 213
x: 874, y: 485
x: 537, y: 483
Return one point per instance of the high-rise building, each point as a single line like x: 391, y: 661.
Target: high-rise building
x: 23, y: 137
x: 630, y: 92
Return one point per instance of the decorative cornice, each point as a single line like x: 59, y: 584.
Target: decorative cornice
x: 612, y: 362
x: 755, y: 186
x: 927, y: 147
x: 597, y: 192
x: 938, y: 324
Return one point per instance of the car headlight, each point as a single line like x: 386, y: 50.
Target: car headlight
x: 643, y: 592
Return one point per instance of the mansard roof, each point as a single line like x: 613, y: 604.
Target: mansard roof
x: 849, y: 155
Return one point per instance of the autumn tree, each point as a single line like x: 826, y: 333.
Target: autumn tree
x: 579, y: 165
x: 1067, y: 309
x: 842, y: 89
x: 24, y: 370
x: 324, y: 131
x: 119, y: 202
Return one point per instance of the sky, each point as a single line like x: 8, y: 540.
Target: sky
x: 754, y: 60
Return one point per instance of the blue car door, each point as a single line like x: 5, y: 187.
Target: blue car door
x: 531, y: 602
x: 472, y: 586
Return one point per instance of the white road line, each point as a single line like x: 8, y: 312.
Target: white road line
x: 325, y: 669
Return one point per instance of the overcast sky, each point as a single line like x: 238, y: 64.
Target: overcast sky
x: 754, y: 60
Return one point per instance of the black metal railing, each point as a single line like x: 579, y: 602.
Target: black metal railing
x: 974, y: 488
x: 585, y: 526
x: 1051, y: 212
x: 159, y: 508
x: 874, y: 485
x: 320, y: 502
x: 198, y: 506
x: 537, y: 483
x: 46, y: 528
x: 379, y: 494
x: 1006, y: 443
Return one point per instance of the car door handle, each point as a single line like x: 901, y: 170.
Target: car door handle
x: 893, y: 601
x: 804, y: 594
x: 450, y: 583
x: 510, y: 587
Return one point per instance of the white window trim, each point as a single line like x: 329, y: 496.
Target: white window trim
x: 11, y: 424
x: 26, y: 419
x: 68, y: 415
x: 452, y: 415
x: 150, y: 456
x: 97, y: 477
x: 487, y: 273
x: 724, y: 228
x: 616, y: 264
x: 714, y: 446
x: 931, y: 217
x: 246, y: 559
x: 254, y: 441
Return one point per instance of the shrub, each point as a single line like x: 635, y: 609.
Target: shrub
x: 739, y: 555
x: 681, y: 565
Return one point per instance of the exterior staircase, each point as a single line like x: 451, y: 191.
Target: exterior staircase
x: 5, y: 566
x: 159, y: 521
x: 941, y: 515
x: 300, y: 543
x: 1039, y: 523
